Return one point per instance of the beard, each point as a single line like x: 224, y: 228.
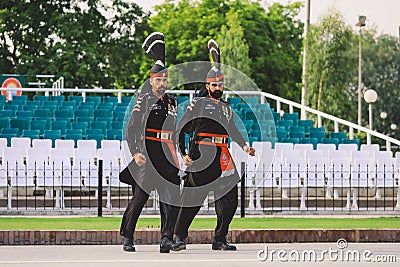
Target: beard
x: 161, y: 90
x: 216, y: 94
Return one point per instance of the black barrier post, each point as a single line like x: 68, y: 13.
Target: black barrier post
x: 242, y: 189
x: 100, y: 190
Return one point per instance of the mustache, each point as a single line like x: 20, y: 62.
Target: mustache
x: 162, y: 88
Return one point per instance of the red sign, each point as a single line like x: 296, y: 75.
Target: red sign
x: 11, y: 83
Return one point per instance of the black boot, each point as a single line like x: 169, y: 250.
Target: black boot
x: 223, y: 245
x: 179, y: 244
x: 165, y: 245
x: 128, y: 244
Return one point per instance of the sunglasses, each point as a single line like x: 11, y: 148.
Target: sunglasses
x: 217, y: 84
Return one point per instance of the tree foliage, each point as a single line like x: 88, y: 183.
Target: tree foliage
x: 331, y: 64
x: 381, y: 72
x: 273, y: 37
x: 87, y: 42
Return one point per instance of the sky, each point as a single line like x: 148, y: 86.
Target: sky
x: 383, y: 14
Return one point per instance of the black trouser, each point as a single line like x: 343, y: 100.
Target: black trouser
x: 225, y: 207
x: 131, y: 215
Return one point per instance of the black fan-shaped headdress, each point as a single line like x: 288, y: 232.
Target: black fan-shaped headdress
x: 154, y: 46
x: 215, y: 74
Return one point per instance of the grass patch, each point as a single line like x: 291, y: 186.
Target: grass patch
x: 113, y: 223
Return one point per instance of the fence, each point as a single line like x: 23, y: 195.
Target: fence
x: 292, y: 185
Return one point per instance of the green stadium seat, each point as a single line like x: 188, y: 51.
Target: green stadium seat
x: 112, y: 134
x: 31, y: 108
x: 32, y: 134
x: 93, y: 131
x: 3, y: 99
x: 79, y: 125
x: 10, y: 131
x: 98, y: 125
x: 59, y: 98
x: 94, y: 99
x: 117, y: 125
x: 280, y: 134
x: 42, y: 113
x: 21, y: 114
x: 40, y: 125
x: 291, y: 116
x: 77, y: 98
x: 64, y: 113
x: 299, y: 135
x: 307, y: 124
x: 272, y: 140
x: 59, y: 125
x: 4, y: 123
x: 41, y: 98
x: 68, y: 121
x: 84, y: 119
x: 71, y: 103
x: 108, y: 105
x: 13, y: 108
x: 50, y: 103
x: 235, y: 100
x: 21, y: 124
x: 127, y: 99
x: 285, y: 123
x: 104, y: 113
x: 18, y: 103
x: 97, y: 137
x: 291, y: 140
x: 105, y: 119
x: 339, y: 135
x: 82, y: 113
x: 251, y: 100
x: 110, y: 99
x: 74, y: 131
x: 7, y: 114
x: 23, y: 98
x: 120, y: 109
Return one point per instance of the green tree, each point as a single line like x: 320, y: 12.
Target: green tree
x: 274, y: 37
x: 74, y: 39
x: 331, y: 64
x: 235, y: 51
x: 381, y: 72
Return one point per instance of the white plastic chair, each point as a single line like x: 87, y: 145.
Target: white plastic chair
x: 89, y: 146
x: 292, y: 173
x: 369, y: 148
x: 363, y: 174
x: 111, y: 170
x: 386, y: 175
x: 339, y: 175
x: 349, y: 147
x: 60, y: 171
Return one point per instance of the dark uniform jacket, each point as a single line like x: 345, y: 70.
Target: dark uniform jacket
x: 210, y: 121
x: 151, y: 131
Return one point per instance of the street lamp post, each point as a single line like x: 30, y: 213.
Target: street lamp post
x: 370, y: 96
x: 361, y: 23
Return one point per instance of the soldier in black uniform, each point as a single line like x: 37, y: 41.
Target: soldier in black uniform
x: 209, y: 120
x: 150, y: 137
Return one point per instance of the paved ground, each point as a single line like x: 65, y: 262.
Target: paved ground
x: 202, y: 255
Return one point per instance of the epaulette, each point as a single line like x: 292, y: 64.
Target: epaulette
x: 172, y: 100
x: 139, y: 100
x: 195, y: 101
x: 225, y: 102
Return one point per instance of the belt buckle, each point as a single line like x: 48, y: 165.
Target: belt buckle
x: 164, y: 136
x: 218, y: 139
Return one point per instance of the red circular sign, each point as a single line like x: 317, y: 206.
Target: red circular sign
x: 11, y: 83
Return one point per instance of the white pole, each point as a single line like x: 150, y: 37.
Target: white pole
x: 304, y: 74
